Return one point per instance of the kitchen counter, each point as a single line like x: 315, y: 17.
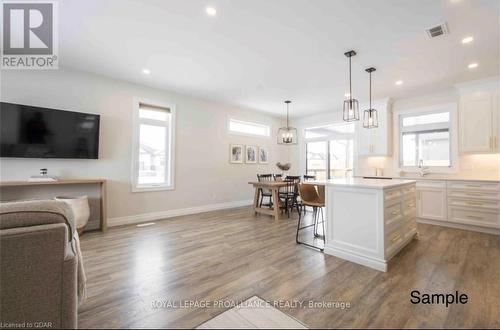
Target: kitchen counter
x: 363, y: 183
x: 444, y: 177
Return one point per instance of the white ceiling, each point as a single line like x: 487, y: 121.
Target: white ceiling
x: 257, y: 53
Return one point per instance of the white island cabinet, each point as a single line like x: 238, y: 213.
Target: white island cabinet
x: 368, y: 221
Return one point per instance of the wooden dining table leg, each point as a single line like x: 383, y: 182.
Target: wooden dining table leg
x: 256, y: 199
x: 276, y: 203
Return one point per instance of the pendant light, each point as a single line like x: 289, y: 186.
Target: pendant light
x: 351, y: 106
x: 370, y: 116
x: 287, y: 135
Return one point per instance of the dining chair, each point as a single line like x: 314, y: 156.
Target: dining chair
x: 289, y: 194
x: 265, y: 192
x: 309, y: 177
x: 277, y: 177
x: 310, y: 197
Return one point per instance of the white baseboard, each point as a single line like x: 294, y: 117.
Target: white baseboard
x: 376, y: 264
x: 486, y: 230
x: 145, y: 217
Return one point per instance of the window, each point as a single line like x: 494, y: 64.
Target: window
x: 153, y: 146
x: 425, y: 138
x: 248, y: 128
x: 330, y: 151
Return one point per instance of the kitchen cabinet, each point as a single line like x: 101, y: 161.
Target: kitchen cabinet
x: 474, y: 203
x: 479, y: 118
x: 431, y: 200
x: 376, y: 141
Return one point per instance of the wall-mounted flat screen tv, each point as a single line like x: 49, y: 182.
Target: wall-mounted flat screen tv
x: 35, y: 132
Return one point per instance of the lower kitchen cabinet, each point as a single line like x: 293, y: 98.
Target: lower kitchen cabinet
x: 471, y: 205
x: 431, y: 200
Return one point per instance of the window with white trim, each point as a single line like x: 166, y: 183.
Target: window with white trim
x: 153, y: 145
x: 425, y: 139
x: 248, y: 128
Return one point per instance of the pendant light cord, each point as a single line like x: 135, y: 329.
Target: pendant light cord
x: 287, y: 105
x: 350, y: 82
x: 370, y: 91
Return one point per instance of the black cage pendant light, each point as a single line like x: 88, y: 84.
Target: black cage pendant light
x: 370, y: 116
x: 287, y: 135
x: 351, y: 106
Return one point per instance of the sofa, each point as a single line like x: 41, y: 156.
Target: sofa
x: 39, y: 265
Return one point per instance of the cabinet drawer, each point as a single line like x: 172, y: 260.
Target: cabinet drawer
x: 392, y: 194
x: 474, y: 185
x: 409, y: 228
x: 492, y: 195
x: 409, y: 204
x: 393, y: 241
x: 407, y: 190
x: 482, y: 204
x: 393, y: 213
x: 475, y: 217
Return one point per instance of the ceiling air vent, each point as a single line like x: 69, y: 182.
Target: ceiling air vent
x: 437, y: 31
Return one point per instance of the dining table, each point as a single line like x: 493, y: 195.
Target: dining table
x: 274, y: 187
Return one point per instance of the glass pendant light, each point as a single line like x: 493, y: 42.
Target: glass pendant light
x: 351, y: 106
x: 287, y: 135
x: 370, y: 116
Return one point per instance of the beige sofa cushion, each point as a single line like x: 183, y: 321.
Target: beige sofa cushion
x: 36, y: 213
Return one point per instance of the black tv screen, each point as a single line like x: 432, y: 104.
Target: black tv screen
x: 34, y: 132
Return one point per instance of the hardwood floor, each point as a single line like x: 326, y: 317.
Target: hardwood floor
x: 232, y: 255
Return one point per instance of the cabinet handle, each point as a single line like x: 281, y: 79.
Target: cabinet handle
x: 490, y: 143
x: 474, y: 217
x: 473, y: 185
x: 395, y: 212
x: 474, y: 203
x: 473, y: 194
x: 395, y: 238
x: 411, y: 205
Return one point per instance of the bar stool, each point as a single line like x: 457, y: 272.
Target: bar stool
x: 310, y: 197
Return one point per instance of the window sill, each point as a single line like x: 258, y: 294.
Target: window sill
x: 151, y: 188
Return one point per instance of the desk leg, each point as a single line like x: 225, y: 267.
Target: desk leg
x: 276, y: 203
x: 104, y: 213
x: 256, y: 200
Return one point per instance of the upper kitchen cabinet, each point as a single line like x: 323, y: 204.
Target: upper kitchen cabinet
x: 479, y: 126
x: 376, y: 141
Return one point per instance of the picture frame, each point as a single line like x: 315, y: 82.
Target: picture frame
x: 251, y: 154
x: 263, y: 155
x: 236, y: 154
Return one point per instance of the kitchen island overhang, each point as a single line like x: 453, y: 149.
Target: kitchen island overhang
x: 368, y: 221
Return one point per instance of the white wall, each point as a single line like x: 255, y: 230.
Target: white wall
x: 203, y: 174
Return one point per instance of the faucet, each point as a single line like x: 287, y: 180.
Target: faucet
x: 422, y: 170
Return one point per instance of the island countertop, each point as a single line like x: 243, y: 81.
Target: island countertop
x: 362, y: 183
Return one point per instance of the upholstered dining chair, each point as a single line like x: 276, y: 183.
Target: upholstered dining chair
x: 310, y: 197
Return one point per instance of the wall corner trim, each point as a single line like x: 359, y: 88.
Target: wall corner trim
x: 153, y: 216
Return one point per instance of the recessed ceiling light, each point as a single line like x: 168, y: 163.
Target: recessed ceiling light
x: 146, y: 71
x: 467, y: 40
x: 399, y: 82
x: 211, y: 11
x: 472, y: 65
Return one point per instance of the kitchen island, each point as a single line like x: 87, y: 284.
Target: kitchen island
x: 368, y: 221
